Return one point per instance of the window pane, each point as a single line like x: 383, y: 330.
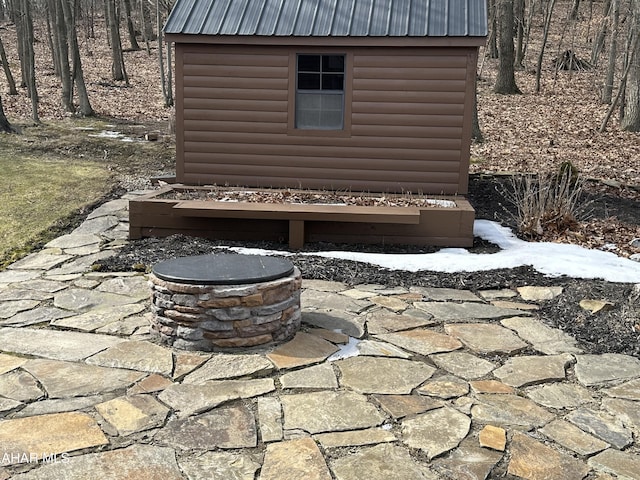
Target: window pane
x: 332, y: 81
x: 309, y: 101
x: 319, y: 111
x: 333, y: 63
x: 308, y: 63
x: 309, y: 81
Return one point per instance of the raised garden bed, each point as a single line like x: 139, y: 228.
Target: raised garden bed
x: 299, y: 216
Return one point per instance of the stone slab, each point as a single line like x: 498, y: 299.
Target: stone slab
x: 533, y: 460
x: 532, y: 370
x: 220, y: 466
x: 608, y: 367
x: 384, y: 322
x: 60, y: 345
x: 36, y: 316
x: 190, y: 399
x: 622, y: 464
x: 226, y: 427
x: 10, y: 308
x: 270, y: 419
x: 543, y: 338
x: 468, y: 462
x: 40, y: 261
x: 304, y: 349
x: 60, y: 405
x: 137, y: 462
x: 225, y: 366
x: 19, y: 385
x: 509, y: 410
x: 383, y: 375
x: 603, y: 426
x: 10, y: 362
x: 486, y: 338
x: 328, y: 411
x: 463, y: 364
x: 318, y: 376
x: 571, y: 437
x: 381, y: 462
x: 135, y: 355
x: 81, y: 300
x: 451, y: 312
x: 560, y: 395
x: 437, y: 431
x: 98, y: 317
x: 422, y: 341
x: 133, y: 414
x: 348, y: 323
x: 399, y: 406
x: 298, y: 459
x: 69, y: 379
x: 54, y: 434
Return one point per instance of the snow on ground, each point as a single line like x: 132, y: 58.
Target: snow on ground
x: 551, y: 259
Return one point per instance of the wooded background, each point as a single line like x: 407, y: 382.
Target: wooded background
x: 541, y: 37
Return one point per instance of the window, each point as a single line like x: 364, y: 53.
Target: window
x: 320, y: 92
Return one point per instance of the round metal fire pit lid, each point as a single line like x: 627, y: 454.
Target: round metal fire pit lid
x: 223, y: 269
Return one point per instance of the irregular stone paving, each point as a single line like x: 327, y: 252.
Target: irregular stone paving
x: 380, y: 383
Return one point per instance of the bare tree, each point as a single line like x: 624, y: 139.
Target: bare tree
x: 7, y: 71
x: 545, y: 37
x: 505, y: 79
x: 476, y: 133
x: 118, y: 71
x: 165, y: 74
x: 5, y: 126
x: 519, y: 18
x: 24, y: 30
x: 598, y: 44
x: 607, y: 91
x: 69, y: 9
x: 130, y: 27
x: 492, y: 41
x: 631, y: 119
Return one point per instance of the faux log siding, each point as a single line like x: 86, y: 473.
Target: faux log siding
x: 406, y: 131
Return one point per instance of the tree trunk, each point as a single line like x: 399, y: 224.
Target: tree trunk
x: 598, y: 44
x: 118, y: 71
x: 476, y: 133
x: 168, y: 100
x: 607, y: 91
x: 7, y: 71
x: 5, y: 126
x: 147, y: 21
x: 24, y: 28
x: 505, y: 79
x: 631, y: 120
x: 545, y: 37
x: 60, y: 40
x: 492, y: 41
x: 130, y: 28
x: 519, y: 11
x: 69, y: 8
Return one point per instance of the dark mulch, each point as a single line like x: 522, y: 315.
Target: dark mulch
x: 615, y: 331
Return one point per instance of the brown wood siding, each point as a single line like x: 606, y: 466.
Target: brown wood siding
x: 405, y: 131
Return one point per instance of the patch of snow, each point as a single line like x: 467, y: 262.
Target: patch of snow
x: 550, y: 259
x: 346, y: 351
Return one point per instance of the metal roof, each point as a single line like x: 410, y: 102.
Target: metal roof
x: 330, y: 18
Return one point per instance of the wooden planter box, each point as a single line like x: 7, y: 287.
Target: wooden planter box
x: 155, y: 215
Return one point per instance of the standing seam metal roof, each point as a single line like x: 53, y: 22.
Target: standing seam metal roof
x: 330, y: 18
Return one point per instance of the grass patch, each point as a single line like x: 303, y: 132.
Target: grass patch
x: 40, y: 193
x: 52, y: 172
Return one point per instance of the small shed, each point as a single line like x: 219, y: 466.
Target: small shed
x: 364, y: 95
x: 361, y: 96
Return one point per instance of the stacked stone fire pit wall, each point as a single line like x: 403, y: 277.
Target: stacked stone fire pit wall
x: 210, y: 317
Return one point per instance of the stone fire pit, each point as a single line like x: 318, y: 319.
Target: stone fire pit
x: 210, y: 302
